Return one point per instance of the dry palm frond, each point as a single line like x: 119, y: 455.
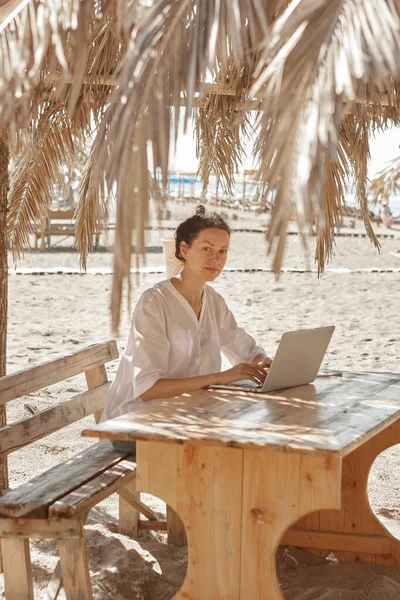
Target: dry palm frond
x: 333, y: 198
x: 349, y: 166
x: 218, y: 142
x: 359, y: 157
x: 221, y: 132
x: 173, y: 45
x: 38, y: 170
x: 29, y: 31
x: 91, y: 209
x: 386, y: 183
x: 46, y: 107
x: 322, y: 59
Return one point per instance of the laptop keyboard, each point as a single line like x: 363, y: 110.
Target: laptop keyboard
x: 247, y: 383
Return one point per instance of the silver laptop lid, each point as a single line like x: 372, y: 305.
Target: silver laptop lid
x: 298, y: 358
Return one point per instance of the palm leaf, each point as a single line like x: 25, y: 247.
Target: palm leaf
x: 38, y: 170
x: 313, y: 70
x: 32, y: 32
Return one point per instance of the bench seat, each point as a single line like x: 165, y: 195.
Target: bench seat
x: 56, y: 503
x: 71, y: 486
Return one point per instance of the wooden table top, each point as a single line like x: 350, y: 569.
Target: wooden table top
x: 334, y: 414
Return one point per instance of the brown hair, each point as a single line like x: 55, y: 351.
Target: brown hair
x: 190, y: 229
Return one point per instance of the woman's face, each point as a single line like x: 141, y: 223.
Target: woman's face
x: 206, y: 256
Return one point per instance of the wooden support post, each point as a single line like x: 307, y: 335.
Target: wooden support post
x: 18, y: 583
x: 305, y: 484
x: 367, y: 540
x: 55, y: 583
x: 75, y: 568
x: 175, y: 529
x: 356, y: 515
x: 203, y: 485
x: 94, y: 378
x: 4, y: 160
x: 129, y: 516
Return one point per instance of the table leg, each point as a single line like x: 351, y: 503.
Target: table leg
x: 356, y: 516
x: 279, y: 488
x: 203, y: 485
x: 235, y: 505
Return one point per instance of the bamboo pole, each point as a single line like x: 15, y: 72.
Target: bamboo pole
x: 4, y: 160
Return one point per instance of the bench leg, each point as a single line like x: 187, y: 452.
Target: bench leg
x: 129, y: 516
x: 75, y: 568
x: 18, y: 583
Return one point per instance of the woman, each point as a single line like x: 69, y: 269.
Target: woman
x: 181, y: 325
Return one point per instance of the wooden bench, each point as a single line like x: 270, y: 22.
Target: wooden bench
x: 58, y: 223
x: 56, y: 503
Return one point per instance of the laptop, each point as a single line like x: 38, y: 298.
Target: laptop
x: 296, y: 362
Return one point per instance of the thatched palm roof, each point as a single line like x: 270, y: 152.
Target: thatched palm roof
x: 317, y: 76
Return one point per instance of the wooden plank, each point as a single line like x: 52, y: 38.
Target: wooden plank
x: 55, y: 583
x: 175, y: 528
x: 203, y: 486
x: 39, y: 425
x: 18, y: 582
x: 39, y: 528
x: 33, y: 497
x: 75, y: 568
x: 128, y: 519
x: 94, y: 491
x: 278, y: 489
x: 307, y: 538
x: 137, y: 504
x: 322, y: 418
x: 30, y: 380
x: 152, y: 525
x: 95, y: 377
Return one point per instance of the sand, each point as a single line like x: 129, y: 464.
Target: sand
x: 52, y: 314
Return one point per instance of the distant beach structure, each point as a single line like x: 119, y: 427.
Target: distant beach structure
x: 246, y: 193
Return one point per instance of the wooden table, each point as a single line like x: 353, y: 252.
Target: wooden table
x: 246, y: 472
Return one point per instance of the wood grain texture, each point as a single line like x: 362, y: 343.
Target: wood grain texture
x: 128, y: 515
x: 175, y: 528
x: 30, y: 380
x: 15, y: 436
x: 39, y: 528
x: 18, y: 582
x: 203, y: 486
x: 308, y: 538
x: 355, y: 515
x: 75, y: 569
x: 134, y: 500
x: 94, y: 491
x: 279, y: 488
x: 55, y: 583
x: 95, y: 377
x: 335, y: 414
x: 33, y: 497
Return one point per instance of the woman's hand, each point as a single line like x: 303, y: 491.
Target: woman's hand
x: 251, y: 371
x: 265, y: 363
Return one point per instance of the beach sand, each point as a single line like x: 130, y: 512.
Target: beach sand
x: 54, y: 314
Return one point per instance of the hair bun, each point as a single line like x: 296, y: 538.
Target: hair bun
x: 200, y: 211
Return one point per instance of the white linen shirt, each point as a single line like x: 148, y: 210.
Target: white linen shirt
x: 167, y: 341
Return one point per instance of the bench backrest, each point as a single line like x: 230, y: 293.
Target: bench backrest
x: 90, y: 361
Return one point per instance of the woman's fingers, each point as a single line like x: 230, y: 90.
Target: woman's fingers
x: 254, y: 371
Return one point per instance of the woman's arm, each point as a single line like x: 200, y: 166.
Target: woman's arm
x: 167, y: 388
